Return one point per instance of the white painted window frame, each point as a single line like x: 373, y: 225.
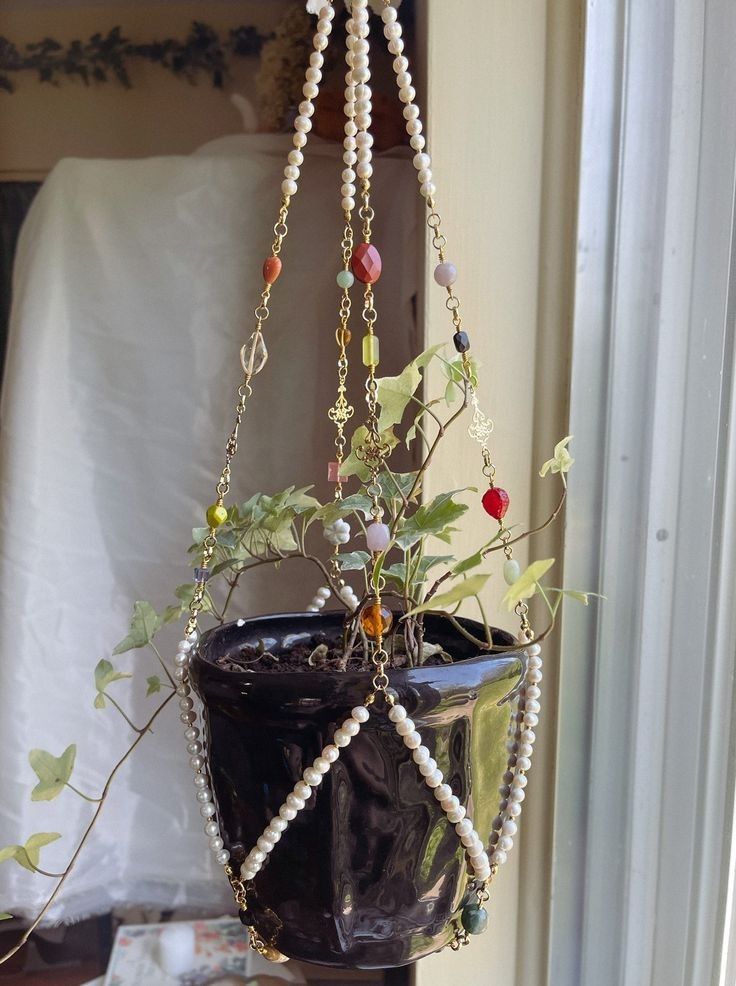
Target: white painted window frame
x: 644, y: 794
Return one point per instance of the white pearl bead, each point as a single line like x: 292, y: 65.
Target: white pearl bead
x: 424, y: 176
x: 534, y: 675
x: 364, y: 169
x: 310, y: 90
x: 181, y: 660
x: 247, y: 872
x: 434, y: 779
x: 348, y: 176
x: 303, y: 124
x: 287, y: 813
x: 351, y: 727
x: 212, y: 829
x: 392, y: 29
x: 420, y: 755
x: 528, y: 736
x: 188, y: 717
x: 470, y: 839
x: 196, y: 763
x: 520, y: 780
x: 216, y: 844
x: 303, y: 790
x: 207, y: 811
x: 180, y: 673
x: 266, y: 843
x: 531, y: 719
x: 194, y: 748
x: 534, y: 650
x: 389, y: 15
x: 396, y: 46
x: 428, y: 190
x: 191, y: 734
x: 421, y: 161
x: 323, y: 25
x: 407, y: 94
x: 531, y: 706
x: 397, y: 713
x: 404, y: 726
x: 360, y: 713
x: 526, y: 750
x: 361, y: 74
x: 316, y: 59
x: 295, y: 802
x: 319, y: 41
x: 341, y: 738
x: 223, y: 857
x: 312, y: 777
x: 417, y: 142
x: 312, y: 608
x: 516, y: 795
x: 513, y: 809
x: 524, y: 763
x: 350, y: 128
x: 183, y: 691
x: 533, y: 692
x: 288, y: 186
x: 464, y: 827
x: 412, y: 740
x: 327, y: 12
x: 330, y: 753
x: 450, y: 804
x: 499, y: 857
x: 475, y: 849
x: 456, y: 815
x: 278, y: 824
x: 204, y: 795
x: 185, y: 646
x: 535, y: 662
x: 299, y: 139
x: 200, y: 780
x: 428, y: 767
x: 347, y: 191
x: 313, y: 75
x: 443, y: 792
x: 291, y: 171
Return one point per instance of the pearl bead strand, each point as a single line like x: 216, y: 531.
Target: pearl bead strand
x: 319, y: 599
x: 350, y: 158
x: 358, y: 30
x: 450, y: 804
x: 297, y: 799
x: 310, y: 91
x: 195, y: 750
x: 505, y: 825
x: 407, y: 93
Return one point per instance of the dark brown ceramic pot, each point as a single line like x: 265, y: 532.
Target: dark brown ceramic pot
x: 370, y: 874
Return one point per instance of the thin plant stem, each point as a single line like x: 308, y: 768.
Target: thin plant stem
x: 82, y: 795
x: 122, y: 713
x: 161, y: 661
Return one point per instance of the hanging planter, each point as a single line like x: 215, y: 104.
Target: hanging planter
x: 368, y: 874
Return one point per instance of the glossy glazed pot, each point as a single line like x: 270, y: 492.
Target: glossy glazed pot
x: 370, y: 873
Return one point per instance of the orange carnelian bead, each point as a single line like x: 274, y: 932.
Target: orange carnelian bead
x: 376, y: 619
x: 271, y: 269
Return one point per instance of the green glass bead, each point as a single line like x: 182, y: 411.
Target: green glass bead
x: 216, y: 515
x: 345, y: 279
x: 474, y: 919
x: 370, y: 350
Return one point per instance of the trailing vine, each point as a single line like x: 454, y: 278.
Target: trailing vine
x: 108, y: 57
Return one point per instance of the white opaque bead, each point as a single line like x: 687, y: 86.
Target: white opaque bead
x: 513, y: 809
x: 520, y: 780
x: 428, y: 190
x: 392, y: 29
x: 316, y: 59
x: 365, y: 170
x: 191, y: 734
x: 450, y: 804
x: 531, y: 705
x: 364, y: 140
x: 412, y: 740
x: 476, y: 849
x: 212, y: 829
x: 534, y: 675
x: 319, y: 41
x: 341, y: 738
x: 266, y: 843
x: 360, y: 714
x: 181, y: 660
x: 351, y: 727
x: 184, y: 646
x: 299, y: 139
x: 407, y: 94
x: 465, y: 827
x: 531, y: 719
x: 347, y: 191
x: 331, y: 753
x: 414, y: 127
x: 389, y: 15
x: 403, y: 79
x: 470, y: 839
x: 417, y: 142
x: 524, y: 763
x: 396, y: 46
x: 327, y: 12
x: 207, y: 811
x: 397, y: 713
x: 347, y: 204
x: 456, y: 815
x: 310, y: 89
x: 287, y: 813
x: 348, y: 175
x: 312, y: 777
x: 196, y: 762
x: 499, y: 857
x: 400, y: 64
x: 526, y: 750
x: 509, y: 827
x: 216, y: 844
x: 420, y: 755
x: 321, y: 765
x: 324, y: 25
x: 180, y: 673
x: 200, y: 780
x: 291, y: 171
x: 428, y: 767
x: 256, y: 855
x: 303, y: 790
x: 247, y: 872
x: 313, y: 75
x: 278, y: 824
x: 434, y: 779
x: 295, y: 802
x: 528, y: 736
x: 288, y: 186
x: 424, y: 176
x: 303, y: 124
x: 223, y: 857
x: 422, y: 160
x: 204, y: 795
x: 443, y: 792
x: 534, y: 650
x: 516, y: 795
x: 405, y: 726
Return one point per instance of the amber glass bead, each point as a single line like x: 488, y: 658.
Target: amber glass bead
x: 376, y: 619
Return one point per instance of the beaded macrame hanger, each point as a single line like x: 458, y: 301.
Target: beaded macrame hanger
x: 364, y: 263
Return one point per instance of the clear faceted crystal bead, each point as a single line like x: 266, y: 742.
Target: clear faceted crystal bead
x: 253, y: 355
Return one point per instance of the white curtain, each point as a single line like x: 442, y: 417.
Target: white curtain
x: 134, y: 289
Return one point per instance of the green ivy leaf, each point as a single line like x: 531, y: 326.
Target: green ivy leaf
x: 471, y: 586
x: 28, y: 856
x: 435, y: 517
x: 353, y: 561
x: 144, y: 625
x: 561, y: 460
x: 154, y: 685
x: 105, y: 674
x: 468, y: 563
x: 185, y: 593
x: 52, y: 772
x: 394, y: 393
x: 4, y: 916
x: 355, y: 503
x: 526, y: 585
x: 99, y: 702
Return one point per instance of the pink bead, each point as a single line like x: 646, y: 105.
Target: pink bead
x: 445, y: 274
x: 333, y: 473
x: 377, y: 536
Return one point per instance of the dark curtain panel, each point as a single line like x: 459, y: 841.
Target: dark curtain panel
x: 15, y: 201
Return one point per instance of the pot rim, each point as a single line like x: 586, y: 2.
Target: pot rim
x: 201, y: 658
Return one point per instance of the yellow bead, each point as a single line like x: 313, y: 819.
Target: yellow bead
x: 376, y: 619
x: 370, y: 350
x: 216, y: 515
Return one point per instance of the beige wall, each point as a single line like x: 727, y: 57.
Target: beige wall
x: 503, y: 118
x: 161, y: 114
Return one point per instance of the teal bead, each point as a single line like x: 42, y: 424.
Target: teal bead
x: 474, y: 919
x: 345, y: 279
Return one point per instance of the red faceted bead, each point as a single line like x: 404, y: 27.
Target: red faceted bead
x: 496, y: 502
x: 366, y: 263
x: 271, y: 269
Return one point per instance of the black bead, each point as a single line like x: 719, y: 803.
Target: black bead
x: 462, y: 342
x: 246, y: 917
